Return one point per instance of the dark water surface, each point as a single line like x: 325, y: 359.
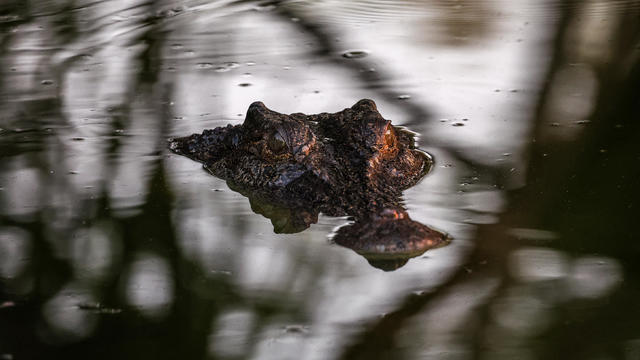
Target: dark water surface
x: 111, y: 247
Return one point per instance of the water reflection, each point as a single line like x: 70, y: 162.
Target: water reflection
x: 93, y: 211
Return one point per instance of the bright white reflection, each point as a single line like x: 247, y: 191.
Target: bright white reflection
x: 535, y: 264
x: 594, y: 277
x: 231, y: 334
x: 15, y: 245
x: 265, y: 269
x: 20, y: 191
x: 94, y: 251
x: 149, y: 285
x: 66, y: 321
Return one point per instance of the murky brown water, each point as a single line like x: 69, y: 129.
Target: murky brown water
x: 113, y: 247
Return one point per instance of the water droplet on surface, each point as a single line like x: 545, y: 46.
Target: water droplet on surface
x: 404, y: 97
x: 227, y: 66
x: 204, y: 65
x: 355, y: 54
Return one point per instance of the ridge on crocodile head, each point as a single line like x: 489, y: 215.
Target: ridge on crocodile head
x: 349, y: 163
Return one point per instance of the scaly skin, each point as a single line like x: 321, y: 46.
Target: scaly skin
x: 350, y: 163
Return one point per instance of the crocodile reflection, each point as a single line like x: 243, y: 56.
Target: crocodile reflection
x: 350, y: 163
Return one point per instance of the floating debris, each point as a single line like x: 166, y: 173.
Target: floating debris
x: 457, y: 124
x: 46, y: 82
x: 296, y: 329
x: 403, y: 97
x: 7, y: 304
x: 244, y: 84
x: 355, y: 54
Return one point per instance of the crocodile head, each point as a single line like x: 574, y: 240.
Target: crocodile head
x: 350, y: 163
x: 272, y: 150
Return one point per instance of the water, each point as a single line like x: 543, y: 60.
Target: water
x: 113, y: 247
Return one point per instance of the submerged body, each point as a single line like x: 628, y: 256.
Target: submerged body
x: 350, y: 163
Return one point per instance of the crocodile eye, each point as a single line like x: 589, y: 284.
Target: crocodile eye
x: 277, y: 144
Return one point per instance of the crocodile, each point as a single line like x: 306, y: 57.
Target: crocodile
x: 350, y: 163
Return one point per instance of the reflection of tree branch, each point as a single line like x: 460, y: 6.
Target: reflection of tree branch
x: 377, y: 81
x: 492, y: 242
x: 373, y: 80
x: 378, y: 339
